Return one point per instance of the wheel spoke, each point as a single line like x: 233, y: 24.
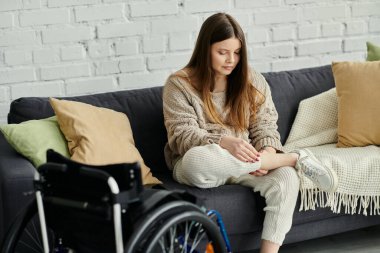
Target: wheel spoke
x: 187, y: 234
x: 162, y: 244
x: 29, y: 246
x: 195, y: 240
x: 36, y: 232
x: 173, y: 233
x: 33, y: 239
x: 185, y: 238
x: 195, y: 243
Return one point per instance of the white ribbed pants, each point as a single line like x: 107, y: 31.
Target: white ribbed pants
x: 211, y: 166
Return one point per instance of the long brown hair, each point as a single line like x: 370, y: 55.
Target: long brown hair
x: 241, y: 94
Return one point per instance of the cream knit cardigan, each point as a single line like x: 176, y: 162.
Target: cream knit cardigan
x: 187, y: 125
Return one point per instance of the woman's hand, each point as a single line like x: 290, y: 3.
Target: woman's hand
x: 240, y: 149
x: 260, y: 173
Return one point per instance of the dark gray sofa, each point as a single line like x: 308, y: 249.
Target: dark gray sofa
x: 242, y: 210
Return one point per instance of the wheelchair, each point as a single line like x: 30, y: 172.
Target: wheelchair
x: 80, y: 208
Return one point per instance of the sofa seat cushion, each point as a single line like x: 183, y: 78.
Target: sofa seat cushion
x: 302, y: 217
x: 240, y: 207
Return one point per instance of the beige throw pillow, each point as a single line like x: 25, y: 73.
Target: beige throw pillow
x: 98, y: 136
x: 358, y: 90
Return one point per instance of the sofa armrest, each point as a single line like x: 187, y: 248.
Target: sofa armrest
x: 16, y: 180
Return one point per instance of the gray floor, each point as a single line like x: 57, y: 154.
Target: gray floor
x: 360, y: 241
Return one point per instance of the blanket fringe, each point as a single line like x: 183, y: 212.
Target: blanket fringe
x: 352, y: 204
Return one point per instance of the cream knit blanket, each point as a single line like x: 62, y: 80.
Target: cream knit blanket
x: 358, y: 168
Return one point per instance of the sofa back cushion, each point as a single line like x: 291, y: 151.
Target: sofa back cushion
x: 144, y: 108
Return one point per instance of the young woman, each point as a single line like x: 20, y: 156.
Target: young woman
x: 222, y: 129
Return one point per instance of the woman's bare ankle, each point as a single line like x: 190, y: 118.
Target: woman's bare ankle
x: 294, y: 157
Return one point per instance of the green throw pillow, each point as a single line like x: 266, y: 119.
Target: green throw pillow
x: 373, y: 52
x: 34, y: 137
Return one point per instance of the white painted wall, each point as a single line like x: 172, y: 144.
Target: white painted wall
x: 72, y: 47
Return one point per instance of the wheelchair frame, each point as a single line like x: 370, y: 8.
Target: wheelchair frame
x: 160, y: 206
x: 114, y: 189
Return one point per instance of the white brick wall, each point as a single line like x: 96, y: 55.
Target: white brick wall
x: 158, y: 8
x: 15, y: 38
x: 366, y: 9
x: 127, y: 48
x: 319, y: 47
x: 153, y: 44
x: 19, y: 57
x: 354, y: 44
x: 309, y: 31
x: 283, y: 33
x: 122, y: 29
x: 276, y: 16
x: 107, y: 67
x: 326, y: 12
x: 194, y: 6
x: 99, y: 12
x: 72, y: 47
x: 135, y: 81
x: 256, y: 35
x: 68, y: 3
x: 272, y: 51
x: 6, y: 20
x: 135, y: 64
x: 72, y: 53
x: 4, y: 94
x: 333, y: 29
x: 257, y: 3
x: 168, y: 61
x: 16, y: 75
x: 46, y: 17
x: 53, y: 88
x: 356, y: 27
x: 100, y: 49
x: 65, y: 71
x: 90, y: 85
x: 61, y: 35
x: 374, y: 25
x: 45, y: 55
x: 180, y: 41
x: 171, y: 25
x: 298, y: 63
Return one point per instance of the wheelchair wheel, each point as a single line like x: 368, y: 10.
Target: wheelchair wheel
x: 173, y: 226
x: 31, y: 239
x: 24, y: 236
x: 187, y: 232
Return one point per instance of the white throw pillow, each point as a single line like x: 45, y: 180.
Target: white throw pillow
x: 316, y: 122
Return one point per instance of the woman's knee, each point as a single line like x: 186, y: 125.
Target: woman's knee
x: 195, y: 168
x: 194, y: 159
